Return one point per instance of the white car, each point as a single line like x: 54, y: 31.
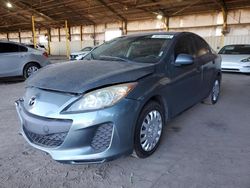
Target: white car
x: 81, y: 54
x: 235, y: 58
x: 20, y: 60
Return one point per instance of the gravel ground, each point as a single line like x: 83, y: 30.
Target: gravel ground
x: 206, y: 146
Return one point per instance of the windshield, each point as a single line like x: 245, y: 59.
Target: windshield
x: 144, y: 49
x: 235, y: 49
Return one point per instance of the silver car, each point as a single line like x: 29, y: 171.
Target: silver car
x: 19, y: 60
x: 81, y: 54
x: 235, y: 58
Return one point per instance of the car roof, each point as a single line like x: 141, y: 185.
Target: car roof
x: 12, y: 42
x: 157, y: 33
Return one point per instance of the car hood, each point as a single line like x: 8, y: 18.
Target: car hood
x: 79, y: 53
x: 86, y: 75
x: 233, y: 58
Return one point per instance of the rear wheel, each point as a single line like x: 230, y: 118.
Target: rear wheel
x: 30, y: 69
x: 148, y: 130
x: 214, y: 94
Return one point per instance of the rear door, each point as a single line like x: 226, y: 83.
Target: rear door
x: 11, y: 57
x: 205, y: 61
x: 186, y: 79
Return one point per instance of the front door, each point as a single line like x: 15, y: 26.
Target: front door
x: 185, y: 79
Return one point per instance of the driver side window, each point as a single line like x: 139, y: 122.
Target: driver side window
x: 184, y: 46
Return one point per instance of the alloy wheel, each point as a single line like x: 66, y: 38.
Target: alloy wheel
x: 31, y: 70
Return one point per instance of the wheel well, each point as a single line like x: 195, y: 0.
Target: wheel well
x: 219, y: 75
x: 31, y: 63
x: 162, y: 102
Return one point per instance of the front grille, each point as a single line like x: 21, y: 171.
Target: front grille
x: 102, y: 137
x: 49, y: 140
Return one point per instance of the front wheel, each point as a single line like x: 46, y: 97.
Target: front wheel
x: 30, y: 69
x: 214, y: 94
x: 148, y: 130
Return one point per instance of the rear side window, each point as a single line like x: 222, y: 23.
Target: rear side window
x: 185, y: 46
x: 22, y: 49
x: 31, y: 45
x: 10, y: 48
x: 202, y: 48
x: 41, y: 46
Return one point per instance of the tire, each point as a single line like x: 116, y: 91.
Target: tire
x: 148, y: 130
x: 214, y: 93
x: 29, y: 69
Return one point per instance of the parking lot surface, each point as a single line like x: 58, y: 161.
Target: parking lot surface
x: 205, y: 146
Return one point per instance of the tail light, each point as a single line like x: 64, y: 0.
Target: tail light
x: 45, y: 54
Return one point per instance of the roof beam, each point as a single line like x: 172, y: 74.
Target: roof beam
x: 111, y: 9
x: 222, y: 4
x: 134, y: 7
x: 186, y: 7
x: 81, y: 16
x: 22, y: 5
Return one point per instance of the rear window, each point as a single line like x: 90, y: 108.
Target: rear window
x: 235, y: 49
x: 41, y: 46
x: 31, y: 45
x: 22, y: 49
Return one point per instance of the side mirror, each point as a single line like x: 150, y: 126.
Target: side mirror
x: 184, y: 59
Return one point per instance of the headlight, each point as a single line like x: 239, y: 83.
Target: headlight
x: 102, y: 98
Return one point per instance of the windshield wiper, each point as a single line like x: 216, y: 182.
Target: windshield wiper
x: 114, y: 58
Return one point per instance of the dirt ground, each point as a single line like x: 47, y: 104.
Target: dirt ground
x: 204, y: 147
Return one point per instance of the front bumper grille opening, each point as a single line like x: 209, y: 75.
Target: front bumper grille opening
x: 50, y: 140
x: 102, y: 137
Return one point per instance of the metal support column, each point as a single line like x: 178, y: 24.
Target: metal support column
x: 94, y: 36
x: 124, y: 27
x: 33, y: 30
x: 59, y: 34
x: 224, y: 27
x: 67, y: 38
x: 166, y: 23
x: 49, y: 40
x: 81, y: 35
x: 19, y: 36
